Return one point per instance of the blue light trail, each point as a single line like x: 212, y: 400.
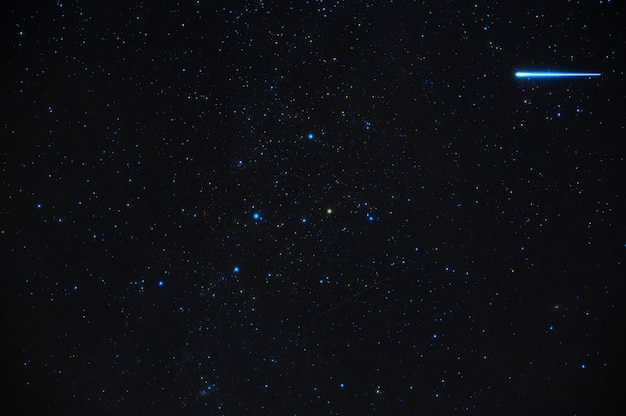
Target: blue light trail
x: 548, y: 74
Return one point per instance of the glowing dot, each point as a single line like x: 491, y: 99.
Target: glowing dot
x: 161, y: 283
x: 329, y: 211
x: 341, y: 385
x: 310, y: 136
x: 256, y: 216
x: 583, y: 366
x: 303, y: 220
x: 434, y: 336
x: 236, y: 269
x: 39, y: 206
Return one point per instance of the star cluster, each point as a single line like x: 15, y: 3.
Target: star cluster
x: 312, y: 207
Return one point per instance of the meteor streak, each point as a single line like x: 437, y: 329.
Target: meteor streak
x: 547, y: 74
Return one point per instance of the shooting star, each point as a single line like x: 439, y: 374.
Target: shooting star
x: 548, y: 74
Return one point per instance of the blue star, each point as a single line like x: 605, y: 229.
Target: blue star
x: 256, y: 216
x: 161, y: 283
x: 310, y: 136
x: 236, y: 269
x: 208, y: 388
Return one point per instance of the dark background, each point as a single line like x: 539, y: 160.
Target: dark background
x: 312, y: 208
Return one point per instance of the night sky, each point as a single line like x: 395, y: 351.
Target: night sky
x: 312, y: 208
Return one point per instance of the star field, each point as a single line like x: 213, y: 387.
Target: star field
x: 312, y: 207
